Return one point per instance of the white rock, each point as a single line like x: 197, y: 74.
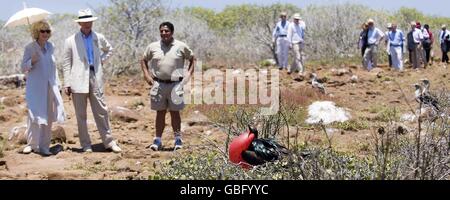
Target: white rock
x: 327, y: 112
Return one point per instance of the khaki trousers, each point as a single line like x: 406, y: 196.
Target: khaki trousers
x: 298, y: 58
x: 417, y: 56
x: 99, y: 110
x: 370, y: 57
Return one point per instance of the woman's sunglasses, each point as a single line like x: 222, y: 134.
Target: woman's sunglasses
x: 46, y: 31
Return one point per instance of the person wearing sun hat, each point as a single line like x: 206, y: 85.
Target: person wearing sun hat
x: 279, y: 36
x: 374, y: 36
x: 296, y: 37
x: 85, y: 54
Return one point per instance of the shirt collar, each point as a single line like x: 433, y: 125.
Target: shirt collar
x: 84, y: 35
x: 46, y: 46
x: 169, y: 45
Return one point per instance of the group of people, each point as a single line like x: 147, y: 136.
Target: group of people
x: 85, y: 54
x: 418, y: 41
x: 290, y: 35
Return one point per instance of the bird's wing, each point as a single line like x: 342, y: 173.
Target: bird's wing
x: 252, y: 158
x: 268, y: 149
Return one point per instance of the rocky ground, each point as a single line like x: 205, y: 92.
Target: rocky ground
x: 364, y: 93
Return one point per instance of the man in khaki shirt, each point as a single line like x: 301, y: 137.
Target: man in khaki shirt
x: 166, y: 58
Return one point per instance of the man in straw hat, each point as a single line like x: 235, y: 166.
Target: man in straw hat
x: 85, y: 53
x: 296, y: 37
x: 374, y: 36
x: 396, y: 39
x: 282, y: 43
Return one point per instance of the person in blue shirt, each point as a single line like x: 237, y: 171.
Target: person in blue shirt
x: 396, y: 40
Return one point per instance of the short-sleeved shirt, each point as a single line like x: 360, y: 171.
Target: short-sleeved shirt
x: 167, y: 61
x: 374, y: 35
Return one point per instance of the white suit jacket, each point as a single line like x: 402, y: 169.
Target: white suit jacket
x: 75, y: 61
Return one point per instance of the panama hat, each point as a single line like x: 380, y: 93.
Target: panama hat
x: 85, y: 16
x: 297, y: 16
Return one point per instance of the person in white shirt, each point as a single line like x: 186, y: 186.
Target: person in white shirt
x: 388, y: 47
x: 374, y: 35
x: 415, y: 38
x: 296, y: 37
x: 444, y: 40
x: 396, y: 39
x: 426, y: 37
x: 282, y: 43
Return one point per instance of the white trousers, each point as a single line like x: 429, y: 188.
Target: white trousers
x: 397, y: 57
x: 40, y: 135
x: 282, y: 51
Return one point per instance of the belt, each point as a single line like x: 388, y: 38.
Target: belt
x: 167, y: 81
x: 282, y: 36
x: 91, y: 67
x: 396, y: 45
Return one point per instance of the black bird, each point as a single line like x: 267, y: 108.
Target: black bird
x: 262, y: 150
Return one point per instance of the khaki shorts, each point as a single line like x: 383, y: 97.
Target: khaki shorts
x: 167, y: 96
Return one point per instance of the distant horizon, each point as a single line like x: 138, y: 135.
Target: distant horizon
x: 435, y: 8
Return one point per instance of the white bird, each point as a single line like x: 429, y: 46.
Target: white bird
x: 426, y: 85
x: 316, y: 83
x: 424, y: 97
x: 418, y: 92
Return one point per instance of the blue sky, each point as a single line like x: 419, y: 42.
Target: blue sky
x: 432, y: 7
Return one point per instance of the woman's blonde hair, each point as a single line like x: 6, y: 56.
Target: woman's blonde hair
x: 37, y: 27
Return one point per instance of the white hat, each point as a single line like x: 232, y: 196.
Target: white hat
x: 443, y: 26
x: 389, y: 25
x: 283, y: 14
x: 370, y: 21
x: 85, y: 16
x: 297, y: 16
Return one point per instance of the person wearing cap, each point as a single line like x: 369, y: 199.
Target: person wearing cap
x: 166, y: 59
x: 296, y: 37
x: 389, y: 28
x: 282, y: 43
x: 374, y: 36
x: 415, y: 38
x: 85, y: 54
x: 44, y: 101
x: 444, y: 40
x: 396, y: 39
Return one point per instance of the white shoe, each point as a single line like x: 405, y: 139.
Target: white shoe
x: 116, y: 149
x: 27, y: 150
x: 87, y: 149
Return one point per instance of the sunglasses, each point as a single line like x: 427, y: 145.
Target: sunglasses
x: 46, y: 31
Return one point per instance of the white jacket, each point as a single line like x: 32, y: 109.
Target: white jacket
x: 75, y: 61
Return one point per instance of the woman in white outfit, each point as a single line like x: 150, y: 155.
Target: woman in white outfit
x: 43, y: 98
